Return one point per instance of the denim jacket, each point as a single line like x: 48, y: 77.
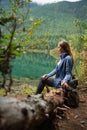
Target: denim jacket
x: 63, y: 70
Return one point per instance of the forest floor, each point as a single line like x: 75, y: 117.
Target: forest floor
x: 76, y: 118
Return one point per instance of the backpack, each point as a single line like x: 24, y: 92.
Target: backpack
x: 71, y: 96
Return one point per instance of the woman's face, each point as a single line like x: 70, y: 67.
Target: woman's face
x: 60, y: 49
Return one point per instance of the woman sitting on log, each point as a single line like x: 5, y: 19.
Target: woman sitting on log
x: 62, y: 71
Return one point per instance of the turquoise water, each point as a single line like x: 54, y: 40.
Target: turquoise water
x: 33, y: 65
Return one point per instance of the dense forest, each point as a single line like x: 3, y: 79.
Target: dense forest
x: 42, y: 29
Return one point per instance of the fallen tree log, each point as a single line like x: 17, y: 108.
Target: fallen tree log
x: 34, y: 112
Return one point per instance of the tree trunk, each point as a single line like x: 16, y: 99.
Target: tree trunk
x: 35, y: 112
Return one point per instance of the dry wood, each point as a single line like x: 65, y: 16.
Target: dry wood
x: 35, y: 112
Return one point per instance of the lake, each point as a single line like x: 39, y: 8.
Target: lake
x: 33, y: 65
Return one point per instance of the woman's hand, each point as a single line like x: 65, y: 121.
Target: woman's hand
x: 44, y: 77
x: 64, y: 84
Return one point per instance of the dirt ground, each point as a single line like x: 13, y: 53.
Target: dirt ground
x: 77, y: 117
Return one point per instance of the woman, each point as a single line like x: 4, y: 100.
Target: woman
x: 62, y: 71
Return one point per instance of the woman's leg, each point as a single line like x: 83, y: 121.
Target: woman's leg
x: 42, y: 83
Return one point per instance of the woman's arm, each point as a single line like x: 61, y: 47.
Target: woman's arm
x: 68, y: 69
x: 45, y: 76
x: 51, y: 73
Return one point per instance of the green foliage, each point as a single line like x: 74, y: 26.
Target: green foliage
x: 28, y: 90
x: 13, y: 27
x: 79, y: 43
x: 58, y: 20
x: 13, y: 33
x: 2, y: 92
